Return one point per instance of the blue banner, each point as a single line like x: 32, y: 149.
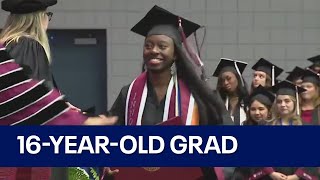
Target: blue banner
x: 137, y: 146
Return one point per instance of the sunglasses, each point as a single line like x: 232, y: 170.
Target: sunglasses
x: 49, y: 14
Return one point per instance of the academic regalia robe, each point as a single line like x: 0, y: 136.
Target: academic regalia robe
x: 26, y: 101
x: 30, y: 54
x: 152, y: 115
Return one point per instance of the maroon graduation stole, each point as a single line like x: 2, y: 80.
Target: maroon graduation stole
x: 179, y: 102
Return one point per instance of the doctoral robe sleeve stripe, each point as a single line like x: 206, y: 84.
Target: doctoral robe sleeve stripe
x: 47, y: 114
x: 12, y: 79
x: 22, y: 100
x: 4, y: 56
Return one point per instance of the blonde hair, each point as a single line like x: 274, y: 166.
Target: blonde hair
x: 316, y: 100
x: 296, y: 120
x: 27, y: 25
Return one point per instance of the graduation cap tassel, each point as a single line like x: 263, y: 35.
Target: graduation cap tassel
x: 177, y: 107
x: 195, y: 57
x: 238, y: 71
x: 298, y: 103
x: 272, y: 74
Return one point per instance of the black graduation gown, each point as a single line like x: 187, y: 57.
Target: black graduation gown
x: 153, y: 111
x: 152, y: 114
x: 30, y: 54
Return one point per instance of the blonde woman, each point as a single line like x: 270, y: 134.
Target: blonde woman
x: 26, y: 99
x: 287, y: 110
x: 24, y: 36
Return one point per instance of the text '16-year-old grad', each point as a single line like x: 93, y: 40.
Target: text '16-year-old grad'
x: 156, y: 144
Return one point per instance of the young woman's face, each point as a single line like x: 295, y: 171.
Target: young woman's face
x: 158, y: 53
x: 258, y: 111
x: 229, y: 82
x: 259, y: 78
x: 285, y: 105
x: 311, y: 91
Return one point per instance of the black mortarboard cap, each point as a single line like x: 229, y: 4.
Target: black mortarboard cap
x: 311, y: 76
x: 226, y: 64
x: 315, y: 60
x: 159, y: 21
x: 262, y: 95
x: 296, y: 73
x: 287, y: 88
x: 265, y: 66
x: 26, y: 6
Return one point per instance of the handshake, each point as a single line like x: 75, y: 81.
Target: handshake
x: 101, y: 120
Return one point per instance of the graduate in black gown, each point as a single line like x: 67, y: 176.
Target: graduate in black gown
x: 260, y: 106
x: 232, y: 88
x: 265, y: 74
x: 165, y: 60
x: 170, y: 88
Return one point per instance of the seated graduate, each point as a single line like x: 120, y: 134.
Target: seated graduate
x: 287, y: 106
x: 265, y: 74
x: 260, y: 106
x: 232, y: 88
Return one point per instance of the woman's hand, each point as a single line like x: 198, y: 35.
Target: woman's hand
x: 293, y: 177
x: 101, y: 120
x: 278, y: 176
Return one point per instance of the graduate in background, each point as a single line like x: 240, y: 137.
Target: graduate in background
x: 259, y: 112
x: 287, y: 107
x: 260, y: 107
x: 232, y: 88
x: 169, y: 89
x: 295, y: 76
x: 265, y: 74
x: 310, y: 101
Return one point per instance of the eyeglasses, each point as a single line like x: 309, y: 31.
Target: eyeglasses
x: 49, y: 14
